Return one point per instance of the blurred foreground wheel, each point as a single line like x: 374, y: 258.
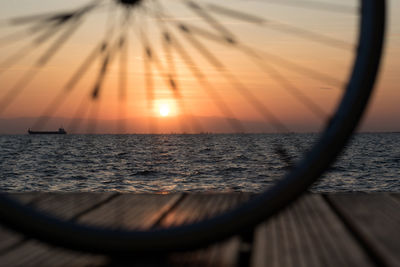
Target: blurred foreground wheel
x: 338, y: 129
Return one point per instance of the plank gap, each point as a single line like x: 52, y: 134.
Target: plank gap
x: 94, y: 207
x: 165, y: 213
x: 367, y: 246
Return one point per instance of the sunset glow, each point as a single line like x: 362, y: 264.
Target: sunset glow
x: 193, y: 73
x: 164, y: 110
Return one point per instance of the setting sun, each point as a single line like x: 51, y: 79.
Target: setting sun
x: 164, y: 110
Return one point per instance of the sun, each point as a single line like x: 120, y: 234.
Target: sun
x: 164, y: 110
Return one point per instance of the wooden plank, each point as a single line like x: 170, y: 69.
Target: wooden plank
x: 34, y: 253
x: 68, y: 205
x: 72, y: 204
x: 376, y: 219
x: 197, y: 207
x: 25, y: 198
x: 127, y: 210
x: 396, y: 197
x: 131, y: 211
x: 139, y: 211
x: 306, y: 234
x: 9, y: 239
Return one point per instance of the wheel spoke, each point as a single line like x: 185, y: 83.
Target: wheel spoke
x: 277, y: 60
x: 284, y: 155
x: 319, y: 6
x: 59, y: 17
x: 58, y: 43
x: 308, y: 103
x: 283, y: 27
x: 108, y: 57
x: 170, y: 81
x: 210, y: 90
x: 243, y: 90
x: 209, y: 19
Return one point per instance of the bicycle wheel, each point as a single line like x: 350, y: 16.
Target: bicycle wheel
x: 163, y: 18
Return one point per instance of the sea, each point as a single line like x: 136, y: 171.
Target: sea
x: 188, y: 163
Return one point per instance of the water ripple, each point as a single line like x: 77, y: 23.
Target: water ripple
x: 186, y: 163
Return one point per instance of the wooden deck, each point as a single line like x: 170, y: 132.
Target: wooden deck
x: 319, y: 230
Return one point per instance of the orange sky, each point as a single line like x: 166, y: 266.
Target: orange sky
x: 220, y: 93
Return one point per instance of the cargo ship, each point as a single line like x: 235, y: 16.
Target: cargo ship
x: 60, y: 131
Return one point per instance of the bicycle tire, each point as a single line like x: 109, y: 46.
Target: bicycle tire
x: 96, y: 240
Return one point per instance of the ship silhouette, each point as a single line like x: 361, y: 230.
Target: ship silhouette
x: 60, y: 131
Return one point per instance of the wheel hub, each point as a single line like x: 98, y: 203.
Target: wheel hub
x: 129, y: 3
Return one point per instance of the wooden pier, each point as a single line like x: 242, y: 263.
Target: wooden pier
x: 318, y: 230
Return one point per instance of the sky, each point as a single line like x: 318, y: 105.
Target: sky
x: 284, y: 74
x: 383, y: 113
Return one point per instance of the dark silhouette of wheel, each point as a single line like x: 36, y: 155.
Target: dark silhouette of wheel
x: 301, y: 176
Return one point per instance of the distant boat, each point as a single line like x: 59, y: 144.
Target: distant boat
x: 60, y: 131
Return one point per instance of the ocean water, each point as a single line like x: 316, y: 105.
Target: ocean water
x: 186, y: 163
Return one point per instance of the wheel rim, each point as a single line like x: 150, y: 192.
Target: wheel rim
x: 251, y: 213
